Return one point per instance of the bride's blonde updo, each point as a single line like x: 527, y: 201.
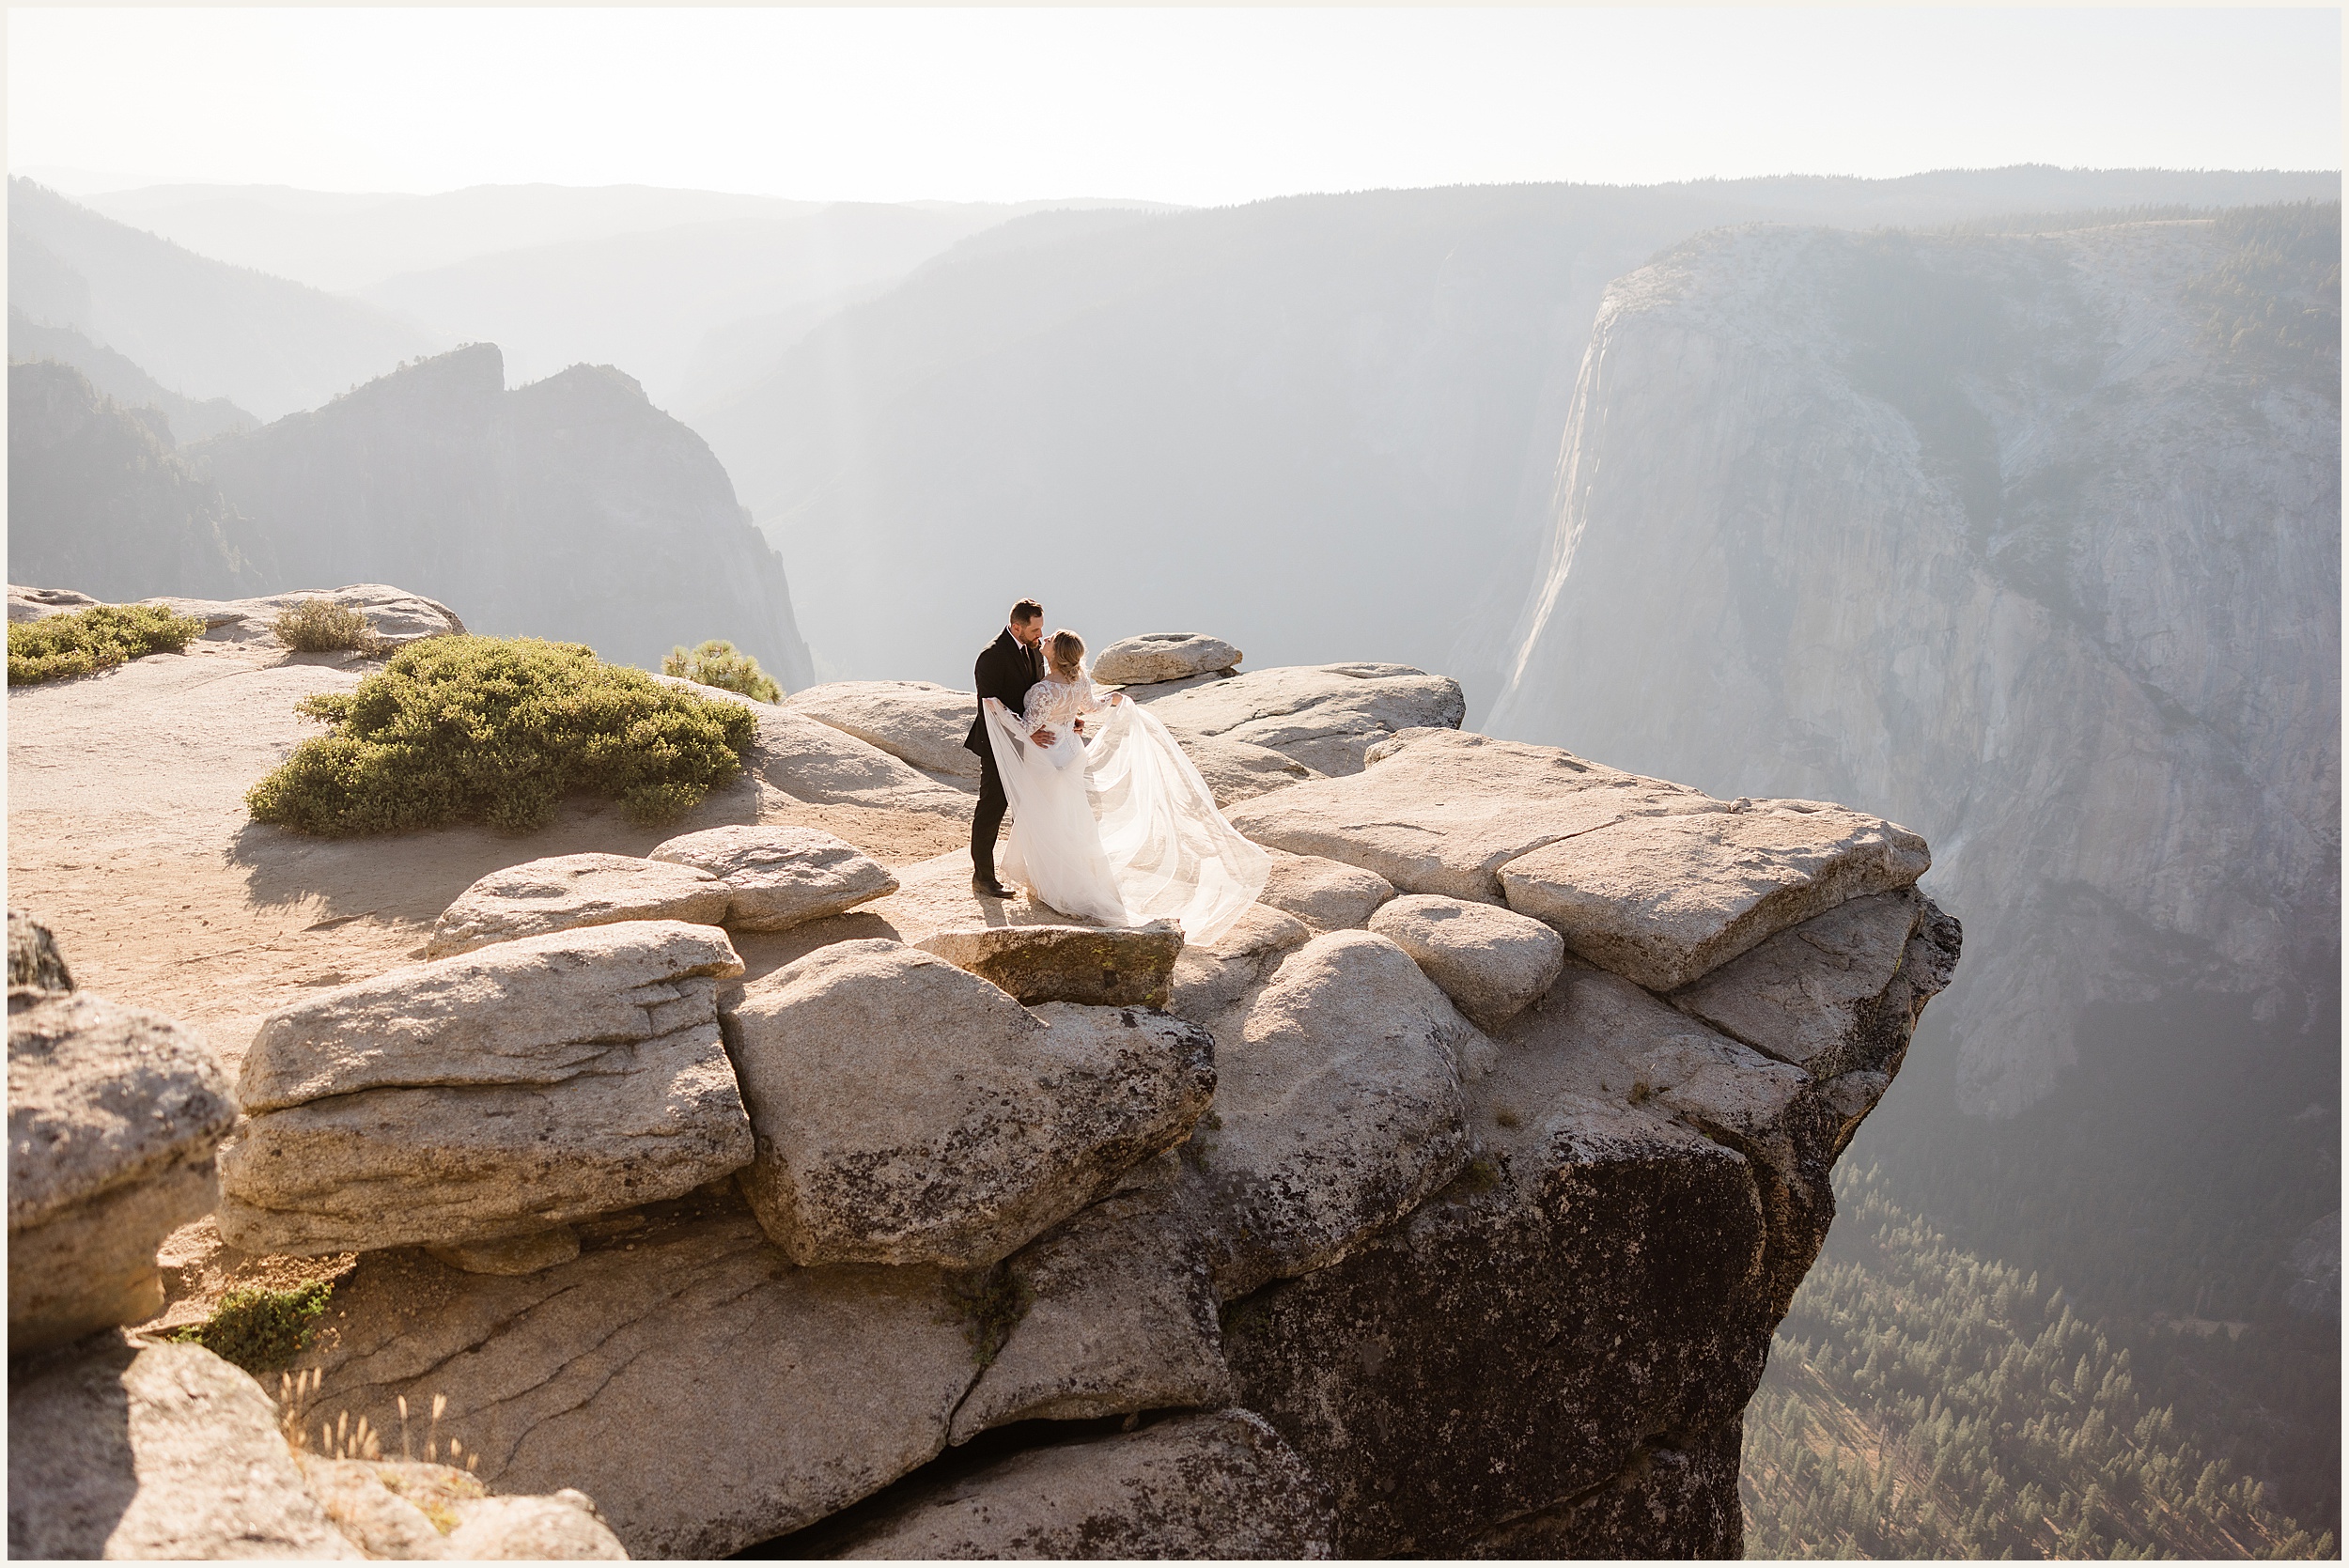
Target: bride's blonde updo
x: 1066, y: 651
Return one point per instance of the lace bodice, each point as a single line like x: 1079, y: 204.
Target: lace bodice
x: 1058, y: 702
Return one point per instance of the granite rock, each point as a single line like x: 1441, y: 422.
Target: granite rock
x: 563, y: 892
x: 1096, y: 965
x: 780, y: 876
x: 1490, y: 962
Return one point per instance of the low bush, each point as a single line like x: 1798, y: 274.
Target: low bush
x: 258, y: 1328
x: 498, y: 731
x: 97, y: 638
x: 721, y: 664
x: 321, y: 625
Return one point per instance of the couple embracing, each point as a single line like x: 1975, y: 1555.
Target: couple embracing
x: 1109, y: 819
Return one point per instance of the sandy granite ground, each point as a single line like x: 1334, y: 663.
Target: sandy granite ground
x: 128, y: 836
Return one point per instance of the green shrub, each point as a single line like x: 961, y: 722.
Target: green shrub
x: 719, y: 663
x: 258, y: 1328
x: 97, y: 638
x: 321, y: 625
x: 498, y: 731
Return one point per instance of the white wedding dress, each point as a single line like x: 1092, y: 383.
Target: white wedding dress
x: 1116, y: 825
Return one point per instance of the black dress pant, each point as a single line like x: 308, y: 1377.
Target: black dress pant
x: 987, y: 820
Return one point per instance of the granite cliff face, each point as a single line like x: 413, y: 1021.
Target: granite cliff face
x: 2028, y: 540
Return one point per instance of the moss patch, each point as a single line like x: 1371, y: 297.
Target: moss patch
x: 497, y: 731
x: 97, y: 638
x: 258, y: 1328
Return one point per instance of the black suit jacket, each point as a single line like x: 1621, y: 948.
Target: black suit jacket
x: 1004, y: 671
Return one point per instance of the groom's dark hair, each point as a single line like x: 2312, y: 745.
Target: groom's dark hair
x: 1026, y: 610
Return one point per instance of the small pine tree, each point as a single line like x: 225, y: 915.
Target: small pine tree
x: 719, y: 663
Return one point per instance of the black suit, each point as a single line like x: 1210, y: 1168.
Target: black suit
x: 1006, y: 668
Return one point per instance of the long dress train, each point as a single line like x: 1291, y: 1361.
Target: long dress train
x: 1117, y: 825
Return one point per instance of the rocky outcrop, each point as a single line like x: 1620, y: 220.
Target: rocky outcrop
x: 1125, y: 968
x: 1329, y: 895
x: 114, y: 1113
x: 913, y: 720
x: 1157, y: 656
x: 813, y: 761
x: 907, y: 1111
x: 505, y: 1092
x: 778, y: 878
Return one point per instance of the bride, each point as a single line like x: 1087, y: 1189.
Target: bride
x: 1115, y: 824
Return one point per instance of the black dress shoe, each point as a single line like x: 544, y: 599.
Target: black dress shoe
x: 990, y: 889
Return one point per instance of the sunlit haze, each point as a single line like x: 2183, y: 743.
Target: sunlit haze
x: 1194, y: 105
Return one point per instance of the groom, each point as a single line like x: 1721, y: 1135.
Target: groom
x: 1006, y: 668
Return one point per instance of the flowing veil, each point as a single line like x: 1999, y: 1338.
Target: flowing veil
x: 1130, y: 836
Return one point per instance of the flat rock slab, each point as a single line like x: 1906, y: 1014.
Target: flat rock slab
x: 1338, y: 1108
x: 1662, y: 900
x: 1236, y: 770
x: 563, y: 892
x: 1326, y: 716
x: 113, y: 1115
x: 1160, y: 656
x: 936, y: 894
x: 1325, y: 894
x: 162, y: 1451
x: 913, y: 720
x: 1490, y: 962
x: 781, y: 876
x: 1095, y: 965
x: 706, y: 1394
x: 1804, y: 996
x: 1222, y: 1484
x: 1437, y: 811
x: 490, y: 1095
x: 908, y: 1111
x: 1121, y: 1316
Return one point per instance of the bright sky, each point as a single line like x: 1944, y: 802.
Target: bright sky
x: 1189, y: 105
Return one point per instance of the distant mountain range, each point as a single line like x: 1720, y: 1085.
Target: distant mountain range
x: 1322, y: 426
x: 569, y: 508
x: 202, y: 328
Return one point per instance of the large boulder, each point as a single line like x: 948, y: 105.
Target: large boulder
x: 1325, y: 716
x: 1490, y: 962
x: 1217, y: 1485
x: 562, y: 892
x: 911, y: 720
x: 114, y: 1114
x: 1437, y: 811
x: 504, y: 1092
x: 1120, y: 1316
x: 1337, y: 1110
x: 1325, y: 894
x: 705, y: 1393
x: 1664, y: 899
x: 908, y: 1111
x: 1209, y: 981
x: 1163, y: 656
x: 117, y: 1450
x: 780, y: 876
x: 1099, y: 967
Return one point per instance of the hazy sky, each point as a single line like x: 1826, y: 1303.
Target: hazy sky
x: 1189, y: 105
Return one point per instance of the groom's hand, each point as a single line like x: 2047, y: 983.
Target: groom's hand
x: 1042, y: 738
